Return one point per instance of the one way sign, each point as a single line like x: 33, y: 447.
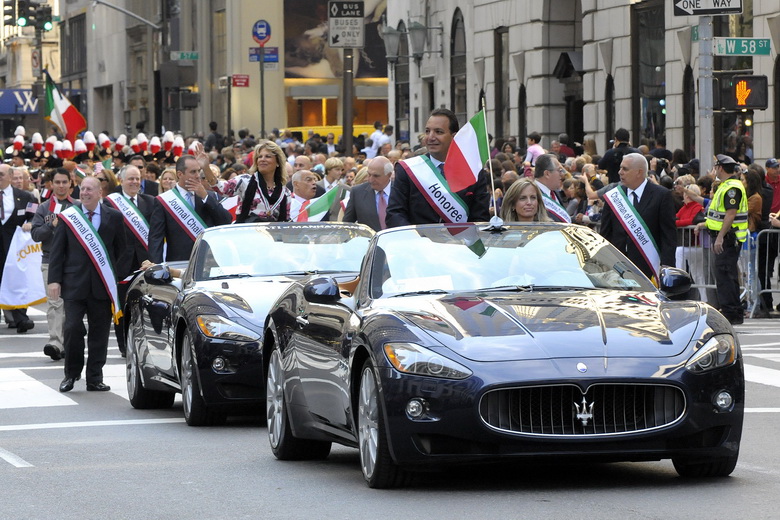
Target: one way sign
x: 346, y: 26
x: 707, y: 7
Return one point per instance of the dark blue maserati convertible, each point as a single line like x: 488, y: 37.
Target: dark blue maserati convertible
x: 468, y: 344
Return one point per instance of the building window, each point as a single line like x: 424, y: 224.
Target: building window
x: 74, y: 46
x: 458, y: 67
x: 501, y: 76
x: 648, y: 81
x: 689, y: 112
x: 402, y: 103
x: 522, y: 116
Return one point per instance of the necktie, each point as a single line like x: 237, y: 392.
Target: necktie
x: 634, y: 199
x: 189, y: 199
x: 132, y: 201
x: 382, y: 210
x: 441, y: 168
x: 303, y: 215
x: 2, y: 206
x: 90, y: 214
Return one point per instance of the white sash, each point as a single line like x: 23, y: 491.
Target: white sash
x: 90, y: 240
x: 133, y: 217
x: 635, y: 227
x: 431, y: 183
x: 554, y: 207
x: 182, y: 213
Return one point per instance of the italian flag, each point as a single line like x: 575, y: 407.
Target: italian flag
x: 468, y: 153
x: 61, y: 112
x: 317, y: 208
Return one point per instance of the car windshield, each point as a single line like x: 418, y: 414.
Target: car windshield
x: 434, y: 259
x: 279, y: 249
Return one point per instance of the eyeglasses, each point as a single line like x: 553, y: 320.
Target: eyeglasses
x: 102, y: 179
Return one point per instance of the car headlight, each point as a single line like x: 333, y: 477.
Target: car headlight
x: 220, y: 327
x: 414, y: 359
x: 719, y: 351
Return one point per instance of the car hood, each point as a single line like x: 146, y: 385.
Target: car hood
x: 548, y: 325
x: 248, y: 298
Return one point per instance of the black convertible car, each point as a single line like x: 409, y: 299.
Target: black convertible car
x: 196, y: 327
x: 463, y: 344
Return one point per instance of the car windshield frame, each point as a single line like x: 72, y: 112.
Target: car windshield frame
x: 447, y: 258
x: 278, y: 249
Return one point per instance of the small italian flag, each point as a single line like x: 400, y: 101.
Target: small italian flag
x: 317, y: 208
x: 468, y: 154
x: 61, y: 112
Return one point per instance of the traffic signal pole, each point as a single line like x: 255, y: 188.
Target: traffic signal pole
x: 706, y: 80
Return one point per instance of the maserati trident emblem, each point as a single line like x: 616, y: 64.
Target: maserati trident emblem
x: 584, y: 411
x: 582, y: 367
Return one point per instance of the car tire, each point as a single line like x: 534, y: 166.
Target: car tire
x: 376, y: 463
x: 196, y: 411
x: 716, y: 467
x: 284, y: 445
x: 140, y: 397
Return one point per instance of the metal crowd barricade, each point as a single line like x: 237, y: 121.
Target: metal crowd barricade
x: 763, y: 259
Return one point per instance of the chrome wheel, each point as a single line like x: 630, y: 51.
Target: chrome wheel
x: 186, y: 377
x: 368, y: 422
x: 274, y: 400
x: 132, y: 364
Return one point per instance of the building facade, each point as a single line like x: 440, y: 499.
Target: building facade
x: 581, y: 67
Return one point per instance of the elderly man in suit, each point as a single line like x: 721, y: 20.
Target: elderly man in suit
x: 409, y: 205
x: 181, y: 213
x: 87, y: 256
x: 368, y: 201
x: 638, y: 196
x: 14, y: 212
x: 136, y: 209
x: 147, y: 187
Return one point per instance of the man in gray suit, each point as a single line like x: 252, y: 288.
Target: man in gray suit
x: 368, y: 201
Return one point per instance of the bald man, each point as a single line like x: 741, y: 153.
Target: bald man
x: 368, y: 201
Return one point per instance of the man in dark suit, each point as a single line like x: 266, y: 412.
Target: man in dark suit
x: 368, y: 201
x: 147, y: 187
x: 408, y: 205
x: 13, y: 213
x: 166, y: 228
x: 613, y: 157
x: 653, y: 203
x: 86, y: 289
x: 131, y: 202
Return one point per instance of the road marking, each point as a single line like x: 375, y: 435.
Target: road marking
x: 762, y: 410
x: 764, y: 376
x: 87, y: 424
x: 14, y: 460
x: 18, y: 390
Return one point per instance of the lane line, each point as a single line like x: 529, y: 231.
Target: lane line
x: 14, y: 460
x: 762, y: 410
x: 18, y: 390
x: 87, y: 424
x: 764, y: 376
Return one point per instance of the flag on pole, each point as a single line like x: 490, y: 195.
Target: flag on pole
x: 61, y: 112
x: 468, y: 153
x: 318, y: 207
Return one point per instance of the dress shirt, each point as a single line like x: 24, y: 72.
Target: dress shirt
x: 8, y: 203
x: 639, y: 191
x: 95, y: 216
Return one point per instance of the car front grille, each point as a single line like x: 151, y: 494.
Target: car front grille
x: 563, y: 410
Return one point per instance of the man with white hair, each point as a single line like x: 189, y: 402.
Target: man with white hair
x: 637, y: 197
x: 368, y: 201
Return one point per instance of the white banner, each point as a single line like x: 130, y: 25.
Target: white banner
x: 22, y: 280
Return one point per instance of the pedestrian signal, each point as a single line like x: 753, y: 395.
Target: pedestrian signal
x: 744, y: 93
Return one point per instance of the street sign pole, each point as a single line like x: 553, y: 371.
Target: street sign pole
x: 706, y: 146
x: 348, y: 94
x: 262, y: 91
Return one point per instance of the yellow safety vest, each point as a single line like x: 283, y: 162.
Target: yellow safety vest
x: 716, y: 211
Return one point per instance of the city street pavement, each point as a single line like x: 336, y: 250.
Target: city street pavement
x: 90, y: 455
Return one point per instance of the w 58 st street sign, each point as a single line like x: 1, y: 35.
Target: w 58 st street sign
x: 707, y: 7
x: 741, y: 46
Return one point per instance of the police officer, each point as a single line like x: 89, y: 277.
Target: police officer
x: 727, y: 221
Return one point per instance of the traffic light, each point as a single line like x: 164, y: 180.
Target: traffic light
x: 43, y: 18
x: 9, y: 12
x: 25, y: 13
x: 744, y: 93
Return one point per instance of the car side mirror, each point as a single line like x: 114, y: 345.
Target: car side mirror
x: 321, y: 290
x: 158, y: 275
x: 674, y: 283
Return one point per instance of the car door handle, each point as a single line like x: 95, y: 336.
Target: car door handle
x: 302, y: 321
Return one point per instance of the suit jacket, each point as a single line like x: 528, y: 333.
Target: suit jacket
x: 150, y: 188
x: 362, y: 207
x: 18, y: 216
x: 656, y: 208
x: 138, y: 252
x: 71, y: 266
x: 42, y: 228
x: 408, y: 206
x: 165, y: 229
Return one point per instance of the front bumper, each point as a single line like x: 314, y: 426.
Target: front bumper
x: 240, y: 384
x: 454, y: 432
